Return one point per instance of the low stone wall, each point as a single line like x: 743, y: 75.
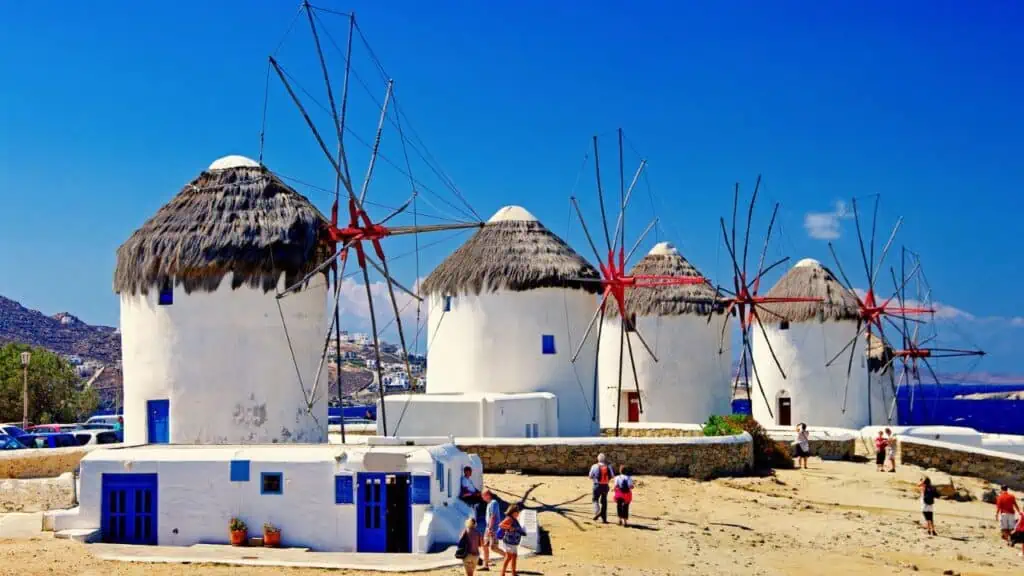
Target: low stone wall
x: 826, y: 443
x: 40, y: 462
x: 655, y: 430
x: 699, y: 458
x: 37, y: 494
x: 995, y: 467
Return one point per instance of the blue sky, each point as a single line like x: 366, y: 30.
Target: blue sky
x: 109, y: 108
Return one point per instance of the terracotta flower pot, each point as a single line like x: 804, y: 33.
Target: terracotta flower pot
x: 272, y: 539
x: 239, y: 537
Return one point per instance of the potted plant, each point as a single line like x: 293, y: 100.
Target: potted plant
x: 239, y: 532
x: 271, y: 535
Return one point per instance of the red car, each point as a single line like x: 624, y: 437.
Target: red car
x: 52, y: 428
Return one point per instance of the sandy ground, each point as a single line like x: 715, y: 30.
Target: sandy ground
x: 835, y: 518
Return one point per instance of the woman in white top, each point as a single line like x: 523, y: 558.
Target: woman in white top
x: 802, y: 445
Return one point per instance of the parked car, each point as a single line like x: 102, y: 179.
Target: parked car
x: 115, y: 421
x: 63, y: 440
x: 11, y: 430
x: 98, y: 436
x: 10, y: 443
x: 52, y: 428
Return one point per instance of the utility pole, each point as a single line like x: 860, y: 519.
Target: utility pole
x: 25, y: 358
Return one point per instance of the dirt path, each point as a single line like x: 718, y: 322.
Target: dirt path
x: 837, y: 518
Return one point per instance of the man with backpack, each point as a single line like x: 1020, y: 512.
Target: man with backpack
x: 601, y: 475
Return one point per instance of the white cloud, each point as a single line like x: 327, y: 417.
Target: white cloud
x: 355, y: 309
x: 826, y: 225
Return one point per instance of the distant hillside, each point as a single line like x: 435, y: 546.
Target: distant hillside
x: 62, y: 333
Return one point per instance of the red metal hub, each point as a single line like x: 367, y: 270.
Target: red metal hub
x: 359, y: 229
x: 615, y: 280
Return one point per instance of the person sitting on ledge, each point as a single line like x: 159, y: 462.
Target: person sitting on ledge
x: 468, y: 492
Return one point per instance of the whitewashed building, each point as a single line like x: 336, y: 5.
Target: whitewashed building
x: 370, y: 498
x: 506, y: 312
x: 206, y: 358
x: 690, y: 381
x: 811, y: 335
x: 473, y: 414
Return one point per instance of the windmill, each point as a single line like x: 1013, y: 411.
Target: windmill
x: 872, y: 311
x: 360, y: 233
x: 744, y: 298
x: 917, y: 349
x: 615, y: 281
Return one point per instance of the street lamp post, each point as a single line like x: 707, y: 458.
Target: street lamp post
x: 25, y: 358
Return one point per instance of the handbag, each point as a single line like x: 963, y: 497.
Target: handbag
x: 462, y: 548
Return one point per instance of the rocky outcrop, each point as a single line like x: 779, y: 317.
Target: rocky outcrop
x: 61, y: 333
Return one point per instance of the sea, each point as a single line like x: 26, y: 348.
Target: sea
x: 939, y: 405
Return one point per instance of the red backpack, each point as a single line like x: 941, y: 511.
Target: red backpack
x: 604, y: 474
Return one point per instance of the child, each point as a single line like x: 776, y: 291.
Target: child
x: 471, y: 550
x: 623, y: 494
x: 510, y: 532
x: 890, y: 449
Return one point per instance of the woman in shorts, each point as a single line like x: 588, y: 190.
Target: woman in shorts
x: 928, y: 494
x: 510, y: 532
x: 802, y: 446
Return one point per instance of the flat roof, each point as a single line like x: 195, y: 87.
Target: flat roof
x: 258, y: 452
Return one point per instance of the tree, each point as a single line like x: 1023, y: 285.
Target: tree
x: 54, y: 388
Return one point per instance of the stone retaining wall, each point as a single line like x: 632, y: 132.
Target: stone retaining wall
x: 37, y: 494
x: 40, y: 462
x: 700, y: 458
x: 636, y: 430
x: 995, y: 467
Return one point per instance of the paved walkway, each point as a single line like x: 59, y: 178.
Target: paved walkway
x: 279, y: 557
x: 21, y: 524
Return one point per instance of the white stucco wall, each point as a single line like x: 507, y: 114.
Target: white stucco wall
x: 689, y: 382
x: 470, y: 415
x: 196, y: 498
x: 816, y: 390
x: 222, y: 360
x: 491, y: 342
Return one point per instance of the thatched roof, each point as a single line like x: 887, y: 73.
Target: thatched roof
x: 665, y: 260
x: 238, y: 217
x: 515, y: 252
x: 878, y: 351
x: 809, y: 279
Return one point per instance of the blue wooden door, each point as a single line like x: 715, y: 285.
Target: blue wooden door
x: 371, y: 533
x: 129, y: 514
x: 158, y: 427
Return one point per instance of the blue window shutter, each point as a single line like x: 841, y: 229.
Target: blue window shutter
x: 343, y: 489
x: 447, y: 303
x: 547, y: 343
x: 239, y: 470
x: 271, y: 483
x: 166, y: 294
x: 421, y: 489
x: 439, y: 472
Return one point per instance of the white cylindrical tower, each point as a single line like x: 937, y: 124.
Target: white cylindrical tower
x: 507, y: 311
x: 206, y: 357
x: 690, y: 379
x: 811, y: 335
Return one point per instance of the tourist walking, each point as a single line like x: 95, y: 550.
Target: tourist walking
x: 1006, y: 512
x: 511, y: 533
x: 1017, y: 536
x: 802, y: 446
x: 491, y: 518
x: 623, y: 494
x: 890, y: 449
x: 469, y: 546
x: 880, y: 445
x: 928, y: 494
x: 601, y: 474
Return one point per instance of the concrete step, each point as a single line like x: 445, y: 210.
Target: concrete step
x: 83, y: 535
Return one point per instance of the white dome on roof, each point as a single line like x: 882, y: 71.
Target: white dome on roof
x: 513, y: 214
x: 807, y: 262
x: 664, y: 249
x: 233, y: 161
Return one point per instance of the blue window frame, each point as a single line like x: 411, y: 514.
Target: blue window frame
x: 447, y: 303
x: 166, y: 294
x: 439, y: 472
x: 343, y: 491
x: 420, y: 490
x: 271, y: 483
x: 547, y: 342
x: 239, y: 470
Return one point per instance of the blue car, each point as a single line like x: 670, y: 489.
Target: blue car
x: 11, y: 430
x: 48, y: 440
x: 10, y: 443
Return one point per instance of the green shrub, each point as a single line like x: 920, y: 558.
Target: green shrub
x: 767, y: 452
